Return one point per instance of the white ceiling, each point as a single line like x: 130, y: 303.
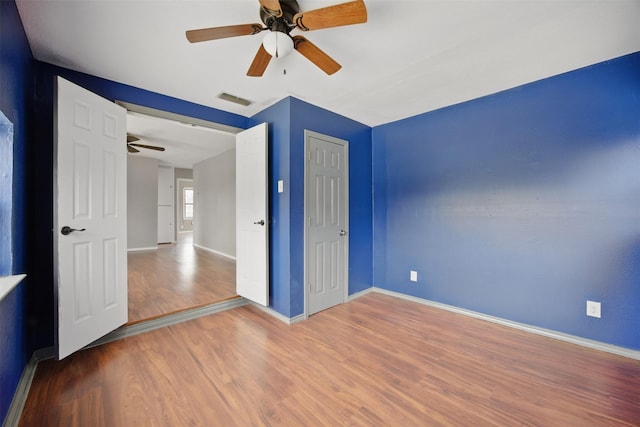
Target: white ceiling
x: 409, y: 58
x: 185, y: 144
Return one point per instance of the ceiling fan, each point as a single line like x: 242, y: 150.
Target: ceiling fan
x: 280, y: 17
x: 131, y: 145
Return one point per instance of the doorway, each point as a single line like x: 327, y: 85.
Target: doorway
x: 185, y: 196
x: 90, y: 175
x: 187, y: 272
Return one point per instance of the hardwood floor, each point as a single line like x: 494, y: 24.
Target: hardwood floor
x: 177, y: 277
x: 375, y: 361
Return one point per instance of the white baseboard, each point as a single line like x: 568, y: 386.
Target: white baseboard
x: 361, y: 293
x: 14, y: 413
x: 270, y: 311
x: 584, y: 342
x: 204, y: 248
x: 150, y: 248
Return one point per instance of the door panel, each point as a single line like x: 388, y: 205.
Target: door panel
x: 327, y: 222
x: 89, y: 196
x: 252, y: 221
x: 166, y: 210
x: 165, y: 224
x: 110, y: 185
x: 110, y: 251
x: 82, y: 307
x: 81, y: 180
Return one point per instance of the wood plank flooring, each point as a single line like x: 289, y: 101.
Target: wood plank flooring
x: 176, y: 277
x: 375, y: 361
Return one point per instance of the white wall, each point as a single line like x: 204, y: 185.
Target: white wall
x: 214, y: 225
x: 142, y: 202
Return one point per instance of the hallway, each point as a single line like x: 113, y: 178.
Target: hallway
x: 175, y: 277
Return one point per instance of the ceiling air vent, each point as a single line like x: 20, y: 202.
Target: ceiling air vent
x: 235, y: 99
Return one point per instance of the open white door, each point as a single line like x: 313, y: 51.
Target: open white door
x: 90, y: 213
x: 252, y: 222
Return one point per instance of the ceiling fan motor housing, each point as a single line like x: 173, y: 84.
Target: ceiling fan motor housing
x: 283, y: 23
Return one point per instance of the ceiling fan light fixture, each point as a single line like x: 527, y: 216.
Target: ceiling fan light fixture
x: 277, y: 44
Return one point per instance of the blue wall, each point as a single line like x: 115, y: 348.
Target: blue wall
x: 288, y: 120
x: 521, y: 205
x: 15, y: 88
x: 278, y: 116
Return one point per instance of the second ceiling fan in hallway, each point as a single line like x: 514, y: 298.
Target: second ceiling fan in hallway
x: 131, y: 145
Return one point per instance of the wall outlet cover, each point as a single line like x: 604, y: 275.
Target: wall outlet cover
x: 413, y: 276
x: 594, y: 309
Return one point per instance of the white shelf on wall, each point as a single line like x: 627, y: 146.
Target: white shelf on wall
x: 7, y: 283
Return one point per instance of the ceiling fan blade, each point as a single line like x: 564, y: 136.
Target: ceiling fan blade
x: 315, y: 55
x: 131, y: 138
x: 272, y: 7
x: 150, y: 147
x: 215, y: 33
x: 260, y: 62
x: 353, y: 12
x: 131, y: 149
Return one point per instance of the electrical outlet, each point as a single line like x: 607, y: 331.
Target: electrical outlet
x: 594, y: 309
x: 413, y: 276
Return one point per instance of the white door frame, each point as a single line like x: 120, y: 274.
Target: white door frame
x: 307, y: 135
x: 180, y: 118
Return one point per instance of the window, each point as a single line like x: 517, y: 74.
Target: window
x: 187, y: 197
